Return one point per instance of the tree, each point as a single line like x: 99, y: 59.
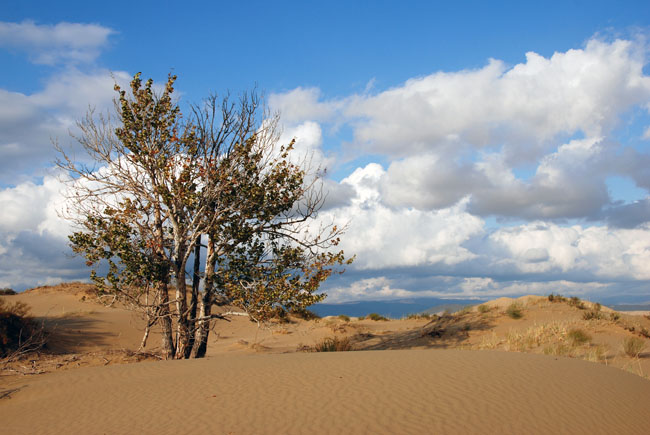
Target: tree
x: 160, y: 186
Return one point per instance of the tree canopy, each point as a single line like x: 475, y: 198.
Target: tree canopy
x: 217, y: 185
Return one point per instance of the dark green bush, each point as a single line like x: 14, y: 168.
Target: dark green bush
x: 18, y: 332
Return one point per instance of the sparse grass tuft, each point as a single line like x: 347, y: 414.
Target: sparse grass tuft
x: 593, y: 315
x: 344, y: 317
x: 515, y: 311
x: 614, y: 316
x: 556, y: 298
x: 633, y: 346
x: 465, y: 310
x: 333, y: 344
x: 578, y: 337
x: 596, y: 354
x: 376, y: 317
x: 483, y: 309
x: 418, y: 316
x: 362, y: 317
x: 576, y: 302
x: 558, y: 349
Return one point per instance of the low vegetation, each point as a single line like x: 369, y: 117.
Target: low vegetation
x: 483, y: 309
x: 344, y: 317
x: 333, y: 344
x: 578, y: 337
x: 633, y: 346
x: 515, y: 311
x: 7, y: 292
x: 465, y: 310
x: 577, y: 303
x: 418, y: 316
x: 556, y: 298
x: 19, y: 333
x: 573, y: 301
x: 593, y: 315
x: 376, y: 317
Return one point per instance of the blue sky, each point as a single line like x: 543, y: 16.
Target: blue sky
x: 476, y: 149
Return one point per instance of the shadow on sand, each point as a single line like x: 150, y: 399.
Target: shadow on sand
x: 73, y: 334
x: 441, y: 332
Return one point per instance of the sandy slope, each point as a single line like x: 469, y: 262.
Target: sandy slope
x: 430, y: 391
x: 255, y: 381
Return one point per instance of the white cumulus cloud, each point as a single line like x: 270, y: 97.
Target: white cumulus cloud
x: 59, y: 43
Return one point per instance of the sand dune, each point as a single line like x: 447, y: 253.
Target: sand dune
x: 431, y: 391
x: 255, y: 381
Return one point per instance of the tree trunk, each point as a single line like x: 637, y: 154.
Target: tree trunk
x: 205, y: 309
x: 166, y: 323
x: 194, y: 300
x: 202, y: 327
x: 163, y: 290
x: 182, y: 327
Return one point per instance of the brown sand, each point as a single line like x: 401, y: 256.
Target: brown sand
x: 431, y: 391
x: 255, y: 382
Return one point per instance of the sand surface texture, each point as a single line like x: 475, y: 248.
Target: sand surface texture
x: 431, y: 391
x: 478, y: 371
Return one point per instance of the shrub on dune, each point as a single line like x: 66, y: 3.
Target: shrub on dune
x: 515, y: 311
x: 19, y: 334
x: 633, y: 346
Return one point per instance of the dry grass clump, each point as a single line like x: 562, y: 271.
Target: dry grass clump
x: 596, y: 353
x: 483, y: 309
x: 376, y: 317
x: 614, y: 316
x: 578, y: 337
x: 577, y: 303
x: 333, y: 344
x: 633, y: 346
x: 593, y: 315
x: 557, y: 349
x: 418, y: 316
x: 19, y: 334
x: 465, y: 310
x: 344, y: 317
x: 572, y: 301
x: 515, y: 311
x: 556, y: 298
x: 536, y: 336
x: 491, y: 341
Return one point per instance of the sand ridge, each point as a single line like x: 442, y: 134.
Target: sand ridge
x: 422, y: 375
x: 413, y: 391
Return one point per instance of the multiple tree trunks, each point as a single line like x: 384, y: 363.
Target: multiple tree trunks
x: 167, y: 181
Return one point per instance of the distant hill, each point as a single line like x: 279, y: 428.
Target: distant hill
x: 451, y: 308
x: 630, y: 307
x: 394, y: 309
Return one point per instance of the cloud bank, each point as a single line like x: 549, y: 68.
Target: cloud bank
x: 463, y: 184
